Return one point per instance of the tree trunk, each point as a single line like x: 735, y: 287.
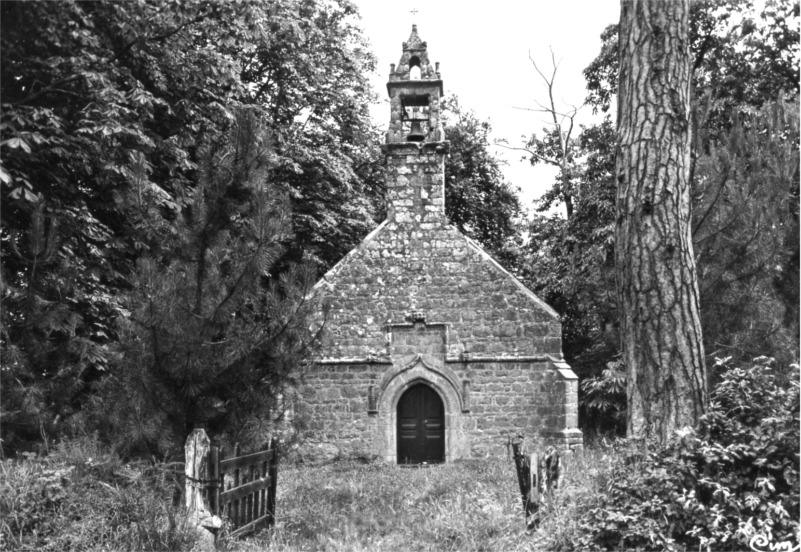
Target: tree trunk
x: 656, y: 275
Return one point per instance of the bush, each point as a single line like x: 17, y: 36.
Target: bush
x: 603, y: 402
x: 82, y: 497
x: 732, y: 480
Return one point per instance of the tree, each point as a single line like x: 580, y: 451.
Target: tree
x: 557, y: 147
x: 744, y: 188
x: 478, y: 201
x: 744, y: 201
x: 103, y: 104
x: 212, y: 337
x: 105, y: 107
x: 742, y: 175
x: 657, y: 281
x: 571, y: 261
x: 311, y: 76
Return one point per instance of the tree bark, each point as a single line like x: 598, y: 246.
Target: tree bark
x: 656, y: 275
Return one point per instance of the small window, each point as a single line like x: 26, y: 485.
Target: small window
x: 414, y: 68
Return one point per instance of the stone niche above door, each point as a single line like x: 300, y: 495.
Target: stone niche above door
x: 417, y: 338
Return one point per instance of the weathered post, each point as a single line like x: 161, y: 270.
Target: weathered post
x: 537, y: 477
x: 215, y: 481
x: 553, y: 470
x: 528, y: 479
x: 198, y: 472
x: 273, y: 473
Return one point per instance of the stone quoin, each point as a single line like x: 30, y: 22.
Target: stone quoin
x: 432, y: 351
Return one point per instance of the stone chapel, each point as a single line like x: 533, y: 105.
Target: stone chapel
x: 432, y: 351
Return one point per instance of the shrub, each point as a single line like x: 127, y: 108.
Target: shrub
x: 82, y: 497
x: 603, y: 402
x: 732, y: 480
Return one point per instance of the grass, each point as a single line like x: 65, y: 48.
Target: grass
x: 82, y: 497
x: 463, y: 506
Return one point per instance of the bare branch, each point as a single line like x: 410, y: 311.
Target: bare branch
x: 531, y: 153
x: 536, y: 67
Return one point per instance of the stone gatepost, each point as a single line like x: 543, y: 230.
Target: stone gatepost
x: 198, y: 472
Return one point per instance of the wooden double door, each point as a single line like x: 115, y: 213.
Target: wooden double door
x: 421, y: 426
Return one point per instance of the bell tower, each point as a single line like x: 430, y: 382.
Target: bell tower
x: 414, y: 148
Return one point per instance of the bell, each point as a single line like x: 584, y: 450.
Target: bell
x: 415, y: 133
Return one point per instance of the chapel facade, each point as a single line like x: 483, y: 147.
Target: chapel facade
x: 432, y: 351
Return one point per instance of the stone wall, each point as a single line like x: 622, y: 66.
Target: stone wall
x: 490, y: 401
x: 403, y: 268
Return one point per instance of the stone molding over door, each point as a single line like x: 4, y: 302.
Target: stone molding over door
x: 405, y: 365
x: 405, y: 373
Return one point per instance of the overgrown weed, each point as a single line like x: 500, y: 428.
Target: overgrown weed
x: 461, y: 506
x: 83, y: 497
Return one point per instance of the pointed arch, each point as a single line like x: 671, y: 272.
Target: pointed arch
x: 432, y: 365
x: 396, y: 381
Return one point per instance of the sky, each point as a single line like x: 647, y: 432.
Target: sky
x: 483, y: 49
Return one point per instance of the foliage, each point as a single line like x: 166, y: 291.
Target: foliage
x: 734, y: 479
x: 105, y: 110
x: 212, y: 335
x: 311, y: 77
x: 571, y: 261
x: 602, y: 72
x: 102, y: 103
x: 743, y: 54
x: 745, y: 234
x: 44, y: 357
x: 478, y: 201
x: 603, y: 400
x: 82, y: 497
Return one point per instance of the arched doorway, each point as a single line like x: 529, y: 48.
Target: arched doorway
x: 421, y: 426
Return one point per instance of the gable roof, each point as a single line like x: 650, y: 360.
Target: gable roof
x: 330, y: 279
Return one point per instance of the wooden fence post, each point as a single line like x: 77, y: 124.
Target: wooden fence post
x: 214, y: 483
x: 553, y: 469
x: 529, y: 477
x: 273, y: 474
x: 534, y: 484
x: 199, y: 472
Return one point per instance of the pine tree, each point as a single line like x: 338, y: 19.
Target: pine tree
x: 656, y: 275
x: 212, y: 335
